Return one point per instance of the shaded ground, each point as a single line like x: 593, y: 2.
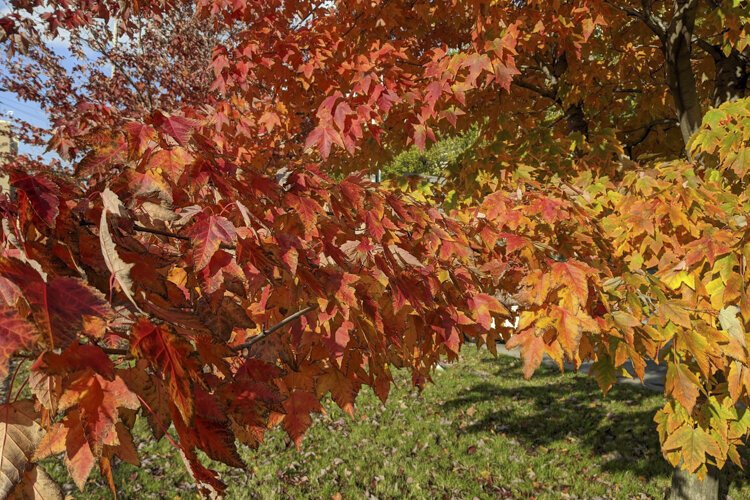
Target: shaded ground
x: 479, y: 431
x: 653, y: 379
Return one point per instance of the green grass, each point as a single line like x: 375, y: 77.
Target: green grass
x: 479, y: 431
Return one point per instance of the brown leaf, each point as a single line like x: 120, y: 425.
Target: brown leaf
x: 118, y: 267
x: 19, y: 436
x: 36, y: 485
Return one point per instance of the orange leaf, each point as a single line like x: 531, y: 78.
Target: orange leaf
x: 532, y: 350
x: 298, y: 407
x: 573, y: 275
x: 343, y: 390
x: 482, y: 306
x: 682, y: 384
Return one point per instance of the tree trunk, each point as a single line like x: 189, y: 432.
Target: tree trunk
x: 677, y: 44
x: 730, y: 83
x: 576, y: 120
x: 731, y: 77
x: 687, y: 486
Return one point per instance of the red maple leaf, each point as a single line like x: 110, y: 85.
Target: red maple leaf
x: 15, y: 333
x: 178, y: 127
x: 170, y: 355
x: 40, y: 193
x: 208, y: 233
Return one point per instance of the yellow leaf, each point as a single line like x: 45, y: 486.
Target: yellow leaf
x: 682, y: 385
x: 674, y: 279
x: 675, y: 311
x: 694, y: 444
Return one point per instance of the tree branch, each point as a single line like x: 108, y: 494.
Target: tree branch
x: 238, y: 348
x: 536, y: 89
x: 651, y: 124
x: 646, y: 15
x: 708, y: 48
x: 275, y: 327
x: 647, y: 129
x: 115, y: 352
x: 160, y: 232
x: 145, y: 102
x: 652, y: 21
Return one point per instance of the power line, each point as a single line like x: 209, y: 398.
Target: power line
x: 25, y: 115
x: 24, y: 110
x: 27, y: 112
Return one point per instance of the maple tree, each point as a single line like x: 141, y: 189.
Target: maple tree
x: 201, y: 265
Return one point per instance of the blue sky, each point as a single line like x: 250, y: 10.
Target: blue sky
x: 11, y: 106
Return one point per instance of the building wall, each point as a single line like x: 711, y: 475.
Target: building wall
x: 8, y: 144
x: 8, y: 147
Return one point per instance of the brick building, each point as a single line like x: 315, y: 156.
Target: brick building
x: 8, y: 144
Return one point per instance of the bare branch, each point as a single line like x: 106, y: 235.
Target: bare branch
x: 646, y: 15
x: 145, y: 101
x: 651, y: 124
x: 115, y: 352
x: 160, y: 232
x: 275, y: 327
x: 708, y: 47
x: 536, y: 89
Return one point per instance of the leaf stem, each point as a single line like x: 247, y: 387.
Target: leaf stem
x: 13, y: 381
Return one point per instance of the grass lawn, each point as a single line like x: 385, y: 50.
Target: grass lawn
x: 479, y: 431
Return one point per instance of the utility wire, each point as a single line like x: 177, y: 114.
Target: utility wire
x: 28, y: 112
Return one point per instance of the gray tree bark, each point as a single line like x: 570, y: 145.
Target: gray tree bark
x: 687, y: 486
x: 575, y: 117
x: 576, y: 120
x: 677, y: 44
x: 731, y: 76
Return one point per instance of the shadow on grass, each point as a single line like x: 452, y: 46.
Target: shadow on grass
x: 550, y: 409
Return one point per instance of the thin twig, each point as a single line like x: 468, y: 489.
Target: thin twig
x: 115, y: 351
x: 275, y: 327
x: 124, y: 352
x: 13, y: 381
x: 20, y: 389
x: 160, y: 232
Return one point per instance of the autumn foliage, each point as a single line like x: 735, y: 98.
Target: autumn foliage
x: 212, y: 258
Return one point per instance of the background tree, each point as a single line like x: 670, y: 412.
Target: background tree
x: 108, y: 73
x: 213, y: 277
